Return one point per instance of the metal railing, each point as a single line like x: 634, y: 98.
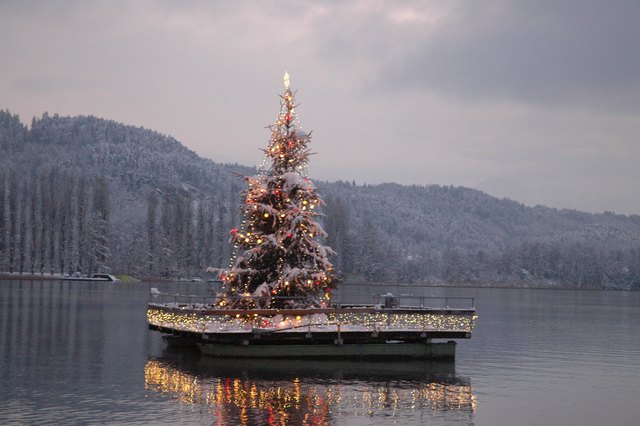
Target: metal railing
x: 210, y: 300
x: 385, y: 300
x: 437, y: 302
x: 186, y: 299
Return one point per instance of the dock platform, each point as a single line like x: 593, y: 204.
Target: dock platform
x: 343, y: 331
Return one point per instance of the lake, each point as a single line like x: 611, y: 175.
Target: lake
x: 80, y: 353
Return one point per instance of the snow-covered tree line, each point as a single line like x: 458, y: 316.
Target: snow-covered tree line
x: 53, y: 222
x: 446, y: 235
x: 134, y: 196
x: 366, y: 255
x: 169, y: 213
x: 182, y: 235
x: 59, y: 223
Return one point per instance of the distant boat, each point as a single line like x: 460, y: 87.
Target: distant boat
x: 94, y: 277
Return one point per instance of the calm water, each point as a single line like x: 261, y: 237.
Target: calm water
x: 80, y: 353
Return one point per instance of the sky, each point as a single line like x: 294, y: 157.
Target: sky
x: 536, y: 101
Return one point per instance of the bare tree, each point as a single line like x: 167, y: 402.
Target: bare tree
x: 80, y: 218
x: 13, y: 219
x: 45, y: 205
x: 152, y: 207
x: 100, y: 228
x: 35, y: 224
x: 53, y: 201
x: 22, y: 213
x: 3, y: 222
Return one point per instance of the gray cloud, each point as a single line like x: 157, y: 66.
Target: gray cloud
x: 537, y: 101
x: 578, y: 54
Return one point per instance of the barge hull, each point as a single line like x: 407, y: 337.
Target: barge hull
x: 427, y: 350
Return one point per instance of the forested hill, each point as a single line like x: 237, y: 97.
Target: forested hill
x: 87, y: 194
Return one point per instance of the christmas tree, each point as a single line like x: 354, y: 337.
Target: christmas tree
x: 279, y: 261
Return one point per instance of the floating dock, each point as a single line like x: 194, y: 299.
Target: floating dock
x: 382, y: 330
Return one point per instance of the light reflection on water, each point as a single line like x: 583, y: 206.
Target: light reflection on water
x: 248, y: 392
x: 80, y: 353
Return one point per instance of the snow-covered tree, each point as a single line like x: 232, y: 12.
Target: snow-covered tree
x: 100, y: 229
x: 279, y: 260
x: 13, y: 220
x: 3, y: 224
x: 152, y: 237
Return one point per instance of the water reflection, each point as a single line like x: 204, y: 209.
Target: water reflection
x: 279, y: 392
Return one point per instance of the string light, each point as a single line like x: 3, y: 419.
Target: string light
x: 199, y: 320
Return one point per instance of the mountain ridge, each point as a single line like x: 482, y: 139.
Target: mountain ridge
x: 411, y: 233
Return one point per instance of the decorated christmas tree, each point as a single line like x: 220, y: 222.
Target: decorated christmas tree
x: 279, y: 260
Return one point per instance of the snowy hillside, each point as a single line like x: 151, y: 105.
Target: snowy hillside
x: 88, y: 194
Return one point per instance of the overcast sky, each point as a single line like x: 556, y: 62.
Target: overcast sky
x: 538, y: 101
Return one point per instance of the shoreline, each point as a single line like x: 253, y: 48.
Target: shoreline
x: 7, y: 276
x: 47, y: 277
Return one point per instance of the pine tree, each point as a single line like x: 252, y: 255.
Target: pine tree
x: 282, y: 262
